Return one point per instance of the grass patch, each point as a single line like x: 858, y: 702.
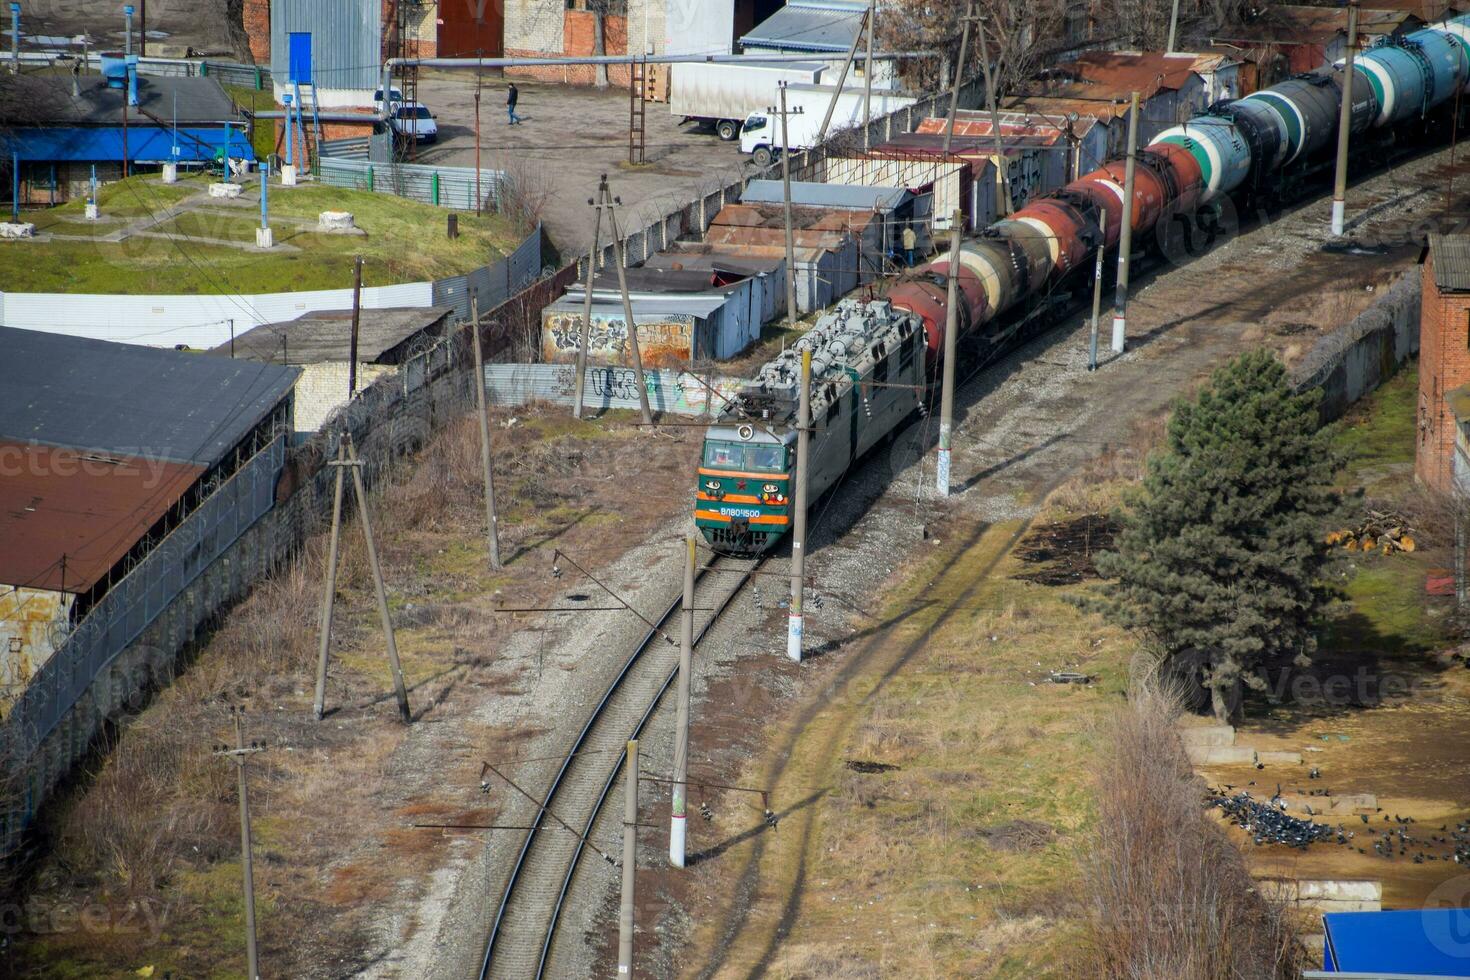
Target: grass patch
x: 263, y: 135
x: 1377, y: 436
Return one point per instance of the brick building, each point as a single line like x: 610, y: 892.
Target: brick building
x: 1444, y: 355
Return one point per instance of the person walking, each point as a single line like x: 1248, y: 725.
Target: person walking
x: 512, y: 96
x: 910, y: 243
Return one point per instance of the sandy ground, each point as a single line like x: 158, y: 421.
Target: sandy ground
x: 570, y: 136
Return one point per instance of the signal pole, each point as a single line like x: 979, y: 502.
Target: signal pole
x: 1345, y: 123
x: 1125, y: 237
x: 678, y: 826
x: 630, y: 860
x: 239, y: 753
x: 786, y: 194
x: 582, y: 333
x: 492, y: 529
x: 951, y: 328
x: 798, y: 518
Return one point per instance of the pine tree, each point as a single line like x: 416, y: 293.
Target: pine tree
x: 1221, y: 554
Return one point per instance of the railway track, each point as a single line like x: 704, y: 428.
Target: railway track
x: 523, y: 935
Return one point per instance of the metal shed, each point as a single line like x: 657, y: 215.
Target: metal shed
x: 339, y: 41
x: 767, y: 273
x: 1413, y: 943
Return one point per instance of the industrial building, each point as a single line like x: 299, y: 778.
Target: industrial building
x: 320, y: 345
x: 822, y: 28
x: 104, y: 450
x: 56, y: 130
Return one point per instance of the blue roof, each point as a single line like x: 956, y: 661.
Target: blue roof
x: 146, y: 144
x: 809, y: 194
x: 1422, y: 942
x: 809, y: 25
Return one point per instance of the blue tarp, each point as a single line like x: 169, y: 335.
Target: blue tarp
x: 146, y: 144
x: 1425, y: 942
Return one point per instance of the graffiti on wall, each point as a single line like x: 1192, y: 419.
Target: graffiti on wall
x: 665, y: 342
x: 609, y: 386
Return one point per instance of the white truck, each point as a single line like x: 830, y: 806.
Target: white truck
x: 723, y: 94
x: 806, y: 107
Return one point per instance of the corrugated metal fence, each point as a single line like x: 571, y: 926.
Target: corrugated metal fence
x: 448, y: 187
x: 492, y: 285
x: 132, y: 604
x: 674, y: 392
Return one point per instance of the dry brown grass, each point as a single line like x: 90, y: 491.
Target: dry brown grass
x: 1169, y: 895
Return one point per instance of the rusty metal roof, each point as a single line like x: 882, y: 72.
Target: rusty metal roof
x: 1116, y: 74
x: 1057, y: 108
x: 86, y: 508
x: 1451, y: 257
x: 1047, y: 130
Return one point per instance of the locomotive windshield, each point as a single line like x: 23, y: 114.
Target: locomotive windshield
x: 744, y: 455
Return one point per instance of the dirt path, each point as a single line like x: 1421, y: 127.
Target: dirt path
x: 1029, y: 424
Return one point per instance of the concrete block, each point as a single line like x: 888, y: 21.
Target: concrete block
x: 92, y: 212
x: 225, y: 190
x: 288, y: 175
x: 17, y: 229
x: 1203, y: 735
x: 330, y: 221
x: 264, y: 238
x: 1220, y: 755
x: 170, y: 173
x: 1280, y: 758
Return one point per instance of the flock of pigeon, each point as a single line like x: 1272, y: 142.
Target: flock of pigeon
x: 1267, y: 822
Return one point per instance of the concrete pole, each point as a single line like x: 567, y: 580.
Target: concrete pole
x: 1125, y: 239
x: 678, y: 826
x: 621, y: 256
x: 630, y: 859
x: 1345, y: 124
x: 790, y: 233
x: 252, y: 957
x: 492, y: 529
x: 1000, y: 158
x: 951, y: 331
x: 959, y: 74
x: 582, y: 333
x: 842, y: 77
x: 868, y: 73
x: 382, y: 593
x: 479, y: 199
x: 15, y: 39
x: 1097, y: 271
x: 356, y: 323
x: 1173, y: 28
x: 329, y: 588
x: 794, y: 626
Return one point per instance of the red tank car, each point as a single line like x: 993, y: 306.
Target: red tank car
x: 1065, y: 228
x: 927, y: 297
x: 1181, y: 171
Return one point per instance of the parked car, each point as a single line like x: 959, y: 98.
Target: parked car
x: 413, y: 120
x: 394, y: 97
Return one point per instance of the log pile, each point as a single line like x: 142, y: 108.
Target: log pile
x: 1381, y: 531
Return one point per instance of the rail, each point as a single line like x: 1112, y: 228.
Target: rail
x: 559, y: 783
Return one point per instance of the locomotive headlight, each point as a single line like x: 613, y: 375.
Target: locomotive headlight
x: 713, y: 489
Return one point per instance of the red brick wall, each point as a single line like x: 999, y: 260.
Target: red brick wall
x: 257, y: 19
x: 578, y: 31
x: 1444, y: 365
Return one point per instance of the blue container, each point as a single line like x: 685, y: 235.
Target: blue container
x: 1398, y: 76
x: 1224, y: 155
x: 114, y: 68
x: 1447, y: 63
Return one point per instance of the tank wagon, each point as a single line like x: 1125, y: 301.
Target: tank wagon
x: 1261, y: 147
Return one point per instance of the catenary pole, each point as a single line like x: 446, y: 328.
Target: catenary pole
x: 1345, y: 123
x: 794, y: 624
x: 329, y: 586
x: 1125, y: 237
x: 630, y: 859
x: 585, y: 327
x: 492, y: 528
x: 786, y: 200
x: 951, y: 330
x: 678, y: 825
x: 621, y: 255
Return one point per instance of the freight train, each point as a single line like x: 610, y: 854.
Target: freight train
x: 871, y: 360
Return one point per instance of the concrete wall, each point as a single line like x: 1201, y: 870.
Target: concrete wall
x: 1352, y: 361
x: 32, y: 624
x: 322, y: 389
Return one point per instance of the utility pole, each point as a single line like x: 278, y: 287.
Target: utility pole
x: 951, y: 329
x: 356, y: 313
x: 959, y: 75
x: 1125, y: 237
x: 347, y: 458
x: 1449, y: 188
x: 231, y: 322
x: 786, y: 198
x: 678, y: 826
x: 794, y: 625
x: 1173, y: 28
x: 586, y: 326
x: 621, y: 255
x: 1097, y: 271
x: 492, y: 529
x: 1345, y: 123
x: 1000, y: 153
x: 868, y: 74
x: 842, y: 77
x: 479, y: 198
x: 630, y: 859
x: 239, y: 753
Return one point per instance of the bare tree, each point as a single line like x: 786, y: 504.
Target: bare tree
x: 1018, y: 34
